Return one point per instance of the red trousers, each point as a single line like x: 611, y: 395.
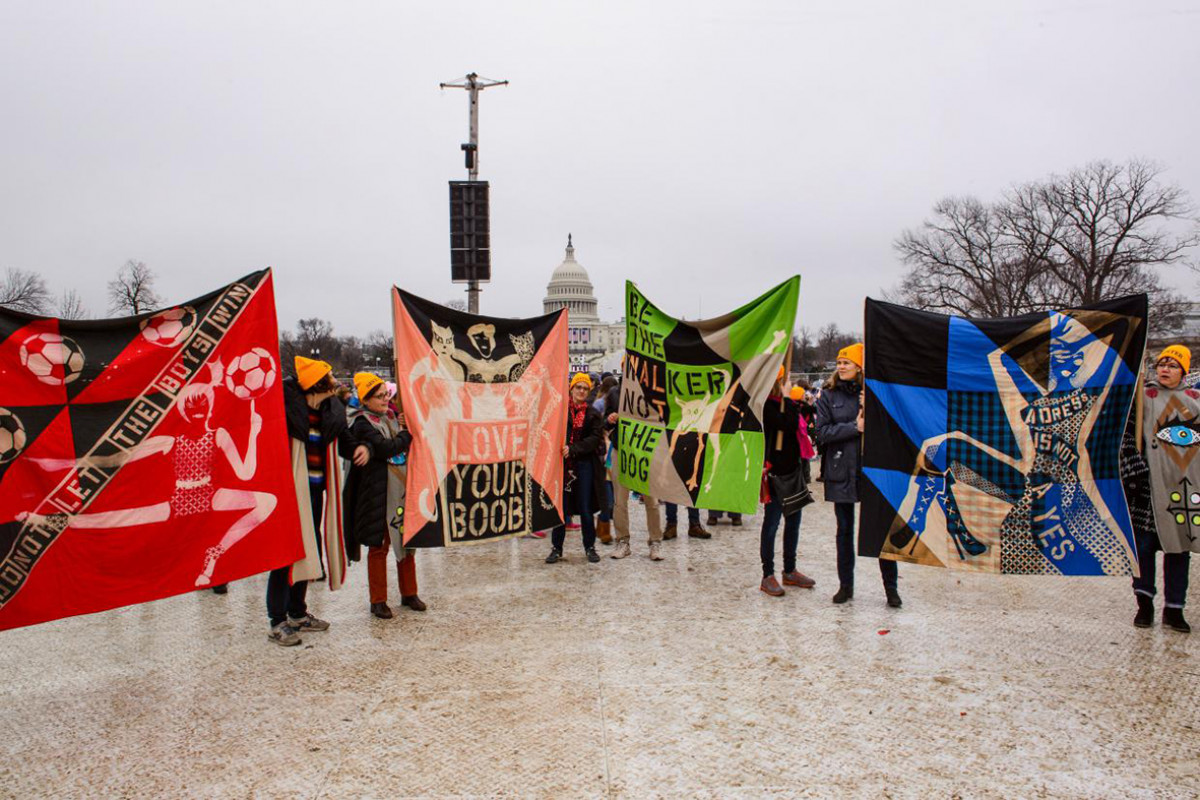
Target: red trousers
x: 377, y: 559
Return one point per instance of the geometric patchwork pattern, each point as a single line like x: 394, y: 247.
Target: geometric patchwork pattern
x: 1032, y: 411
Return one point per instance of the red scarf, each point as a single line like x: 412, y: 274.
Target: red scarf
x: 576, y: 413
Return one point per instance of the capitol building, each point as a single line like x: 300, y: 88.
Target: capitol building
x: 593, y: 345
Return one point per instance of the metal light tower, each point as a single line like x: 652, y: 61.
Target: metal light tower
x: 474, y: 85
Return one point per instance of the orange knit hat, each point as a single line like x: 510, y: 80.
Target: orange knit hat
x: 797, y: 393
x: 853, y: 353
x: 364, y: 382
x: 309, y: 371
x: 1180, y: 354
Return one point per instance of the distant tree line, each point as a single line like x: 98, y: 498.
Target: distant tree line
x: 817, y: 352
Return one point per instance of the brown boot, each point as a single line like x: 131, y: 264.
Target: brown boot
x: 670, y: 532
x: 771, y: 586
x: 604, y: 532
x: 697, y: 532
x: 413, y: 602
x: 798, y: 578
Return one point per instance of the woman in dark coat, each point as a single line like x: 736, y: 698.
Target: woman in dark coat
x: 839, y: 430
x: 583, y: 469
x: 788, y: 451
x: 316, y: 419
x: 374, y: 495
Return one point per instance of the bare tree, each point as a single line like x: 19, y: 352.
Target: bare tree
x: 804, y: 354
x: 24, y: 290
x: 1100, y: 231
x: 132, y: 291
x: 378, y: 345
x: 457, y: 305
x: 970, y: 260
x: 70, y: 305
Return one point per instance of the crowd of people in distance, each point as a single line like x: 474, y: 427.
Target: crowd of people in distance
x: 364, y: 425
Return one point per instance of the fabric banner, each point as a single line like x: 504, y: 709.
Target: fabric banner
x: 692, y: 395
x: 993, y: 444
x: 1171, y: 442
x: 485, y: 400
x: 142, y: 457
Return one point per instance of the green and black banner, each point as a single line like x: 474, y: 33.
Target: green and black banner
x: 692, y: 395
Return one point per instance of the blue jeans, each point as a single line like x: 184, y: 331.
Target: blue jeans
x: 288, y: 600
x: 606, y: 512
x: 845, y: 550
x: 772, y: 513
x: 1175, y: 573
x: 673, y: 514
x: 585, y: 476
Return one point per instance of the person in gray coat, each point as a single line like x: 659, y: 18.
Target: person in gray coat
x: 839, y: 425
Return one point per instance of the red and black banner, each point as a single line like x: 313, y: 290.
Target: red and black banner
x: 142, y: 457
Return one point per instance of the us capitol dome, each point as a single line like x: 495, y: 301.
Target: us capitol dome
x: 593, y: 346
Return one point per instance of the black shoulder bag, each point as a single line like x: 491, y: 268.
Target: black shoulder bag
x: 790, y: 491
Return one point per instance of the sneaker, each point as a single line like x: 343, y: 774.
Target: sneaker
x: 573, y: 526
x: 670, y: 532
x: 843, y: 594
x: 621, y: 550
x: 554, y: 557
x: 381, y: 610
x: 893, y: 597
x: 697, y: 532
x: 538, y: 534
x: 1145, y: 612
x: 308, y: 623
x: 1173, y: 619
x: 284, y: 635
x: 593, y: 557
x: 771, y: 586
x: 797, y: 578
x: 413, y: 602
x: 735, y: 520
x: 656, y: 551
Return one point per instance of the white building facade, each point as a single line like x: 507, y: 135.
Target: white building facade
x: 593, y: 345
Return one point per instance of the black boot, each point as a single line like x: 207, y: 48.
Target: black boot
x: 843, y: 594
x: 893, y: 597
x: 1145, y: 614
x: 1173, y: 619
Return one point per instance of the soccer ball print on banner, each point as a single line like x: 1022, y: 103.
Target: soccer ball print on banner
x: 151, y: 459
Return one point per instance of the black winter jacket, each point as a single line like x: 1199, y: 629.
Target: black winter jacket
x: 364, y: 498
x: 786, y: 459
x: 612, y: 404
x: 837, y: 430
x: 588, y: 447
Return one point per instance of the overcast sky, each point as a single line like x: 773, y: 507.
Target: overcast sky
x: 705, y: 150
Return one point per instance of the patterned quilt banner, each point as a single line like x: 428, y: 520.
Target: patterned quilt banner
x: 692, y: 396
x: 484, y: 398
x: 993, y: 444
x: 142, y: 457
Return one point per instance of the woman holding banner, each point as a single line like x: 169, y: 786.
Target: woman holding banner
x: 786, y: 481
x: 583, y: 469
x: 1161, y: 474
x: 374, y: 505
x: 839, y: 430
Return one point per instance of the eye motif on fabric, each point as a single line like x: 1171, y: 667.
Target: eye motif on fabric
x: 1179, y: 433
